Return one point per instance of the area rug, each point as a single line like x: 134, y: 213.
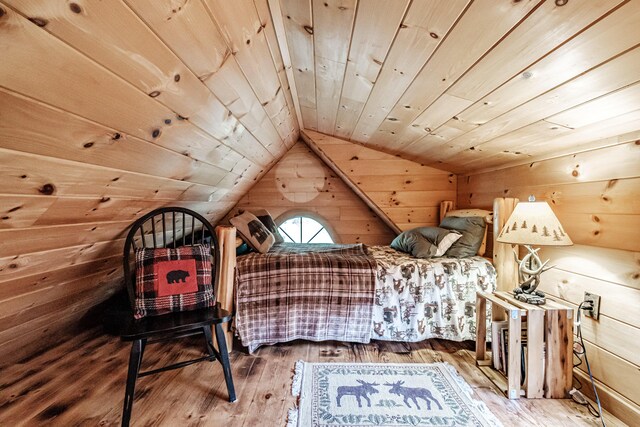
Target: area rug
x: 384, y: 394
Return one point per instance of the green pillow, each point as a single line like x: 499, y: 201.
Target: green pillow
x: 423, y: 242
x: 472, y: 230
x: 243, y: 249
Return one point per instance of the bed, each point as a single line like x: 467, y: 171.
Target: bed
x: 356, y: 293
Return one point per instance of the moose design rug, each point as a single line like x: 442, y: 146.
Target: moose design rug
x: 384, y: 394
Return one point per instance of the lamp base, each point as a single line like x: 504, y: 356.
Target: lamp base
x: 535, y: 297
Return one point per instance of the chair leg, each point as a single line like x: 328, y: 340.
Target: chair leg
x: 208, y: 340
x: 224, y: 359
x: 134, y: 366
x: 143, y: 345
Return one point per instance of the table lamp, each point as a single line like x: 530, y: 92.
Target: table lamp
x: 532, y: 223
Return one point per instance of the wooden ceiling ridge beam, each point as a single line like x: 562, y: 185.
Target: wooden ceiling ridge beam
x: 281, y: 38
x: 332, y: 165
x: 19, y: 10
x: 277, y: 56
x: 239, y: 117
x: 236, y: 46
x: 298, y: 30
x: 518, y: 92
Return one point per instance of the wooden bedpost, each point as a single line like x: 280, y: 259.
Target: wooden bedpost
x: 445, y: 206
x: 227, y: 241
x: 503, y: 259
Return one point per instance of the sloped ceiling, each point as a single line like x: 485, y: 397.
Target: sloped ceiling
x: 466, y: 85
x: 109, y: 109
x: 166, y: 89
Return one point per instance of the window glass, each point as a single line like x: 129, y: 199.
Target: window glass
x: 302, y: 229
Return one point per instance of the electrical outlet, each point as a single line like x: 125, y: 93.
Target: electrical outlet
x: 595, y: 302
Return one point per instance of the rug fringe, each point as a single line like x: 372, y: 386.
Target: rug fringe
x: 292, y: 417
x: 466, y: 388
x: 296, y: 385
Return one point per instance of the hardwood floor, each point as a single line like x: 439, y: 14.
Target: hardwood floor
x: 81, y: 383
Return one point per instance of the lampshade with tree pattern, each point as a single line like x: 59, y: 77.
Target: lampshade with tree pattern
x: 534, y: 223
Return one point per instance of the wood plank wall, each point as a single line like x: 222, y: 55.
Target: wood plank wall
x: 406, y: 192
x: 595, y: 195
x: 300, y: 182
x: 107, y: 111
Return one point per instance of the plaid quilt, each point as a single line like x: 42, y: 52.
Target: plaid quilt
x: 314, y: 292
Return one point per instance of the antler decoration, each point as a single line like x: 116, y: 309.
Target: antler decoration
x: 530, y: 268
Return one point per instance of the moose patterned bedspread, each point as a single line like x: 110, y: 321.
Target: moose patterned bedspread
x: 417, y: 299
x: 313, y: 292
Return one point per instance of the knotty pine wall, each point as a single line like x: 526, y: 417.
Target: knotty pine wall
x: 107, y: 111
x: 595, y: 194
x: 301, y: 182
x: 406, y: 193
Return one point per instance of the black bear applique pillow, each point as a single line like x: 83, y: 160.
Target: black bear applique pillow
x: 265, y: 218
x: 253, y: 231
x: 169, y: 280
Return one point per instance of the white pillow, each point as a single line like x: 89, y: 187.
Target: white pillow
x: 446, y: 242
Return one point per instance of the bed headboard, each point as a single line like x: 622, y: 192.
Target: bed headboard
x: 447, y: 206
x: 503, y: 259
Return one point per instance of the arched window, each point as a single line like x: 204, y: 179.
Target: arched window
x: 303, y: 229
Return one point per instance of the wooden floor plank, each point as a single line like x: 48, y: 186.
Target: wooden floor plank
x: 81, y: 382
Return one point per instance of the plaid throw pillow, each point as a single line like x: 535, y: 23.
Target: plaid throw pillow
x: 169, y: 280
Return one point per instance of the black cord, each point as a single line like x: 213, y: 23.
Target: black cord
x: 582, y: 351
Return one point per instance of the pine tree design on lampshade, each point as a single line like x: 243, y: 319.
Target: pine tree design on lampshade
x: 532, y: 216
x: 525, y: 221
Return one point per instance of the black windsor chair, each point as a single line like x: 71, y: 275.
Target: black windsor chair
x: 164, y: 228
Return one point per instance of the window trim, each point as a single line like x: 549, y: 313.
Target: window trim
x: 314, y: 216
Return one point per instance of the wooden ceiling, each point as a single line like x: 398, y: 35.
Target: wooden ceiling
x: 109, y: 109
x: 176, y: 101
x: 466, y: 85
